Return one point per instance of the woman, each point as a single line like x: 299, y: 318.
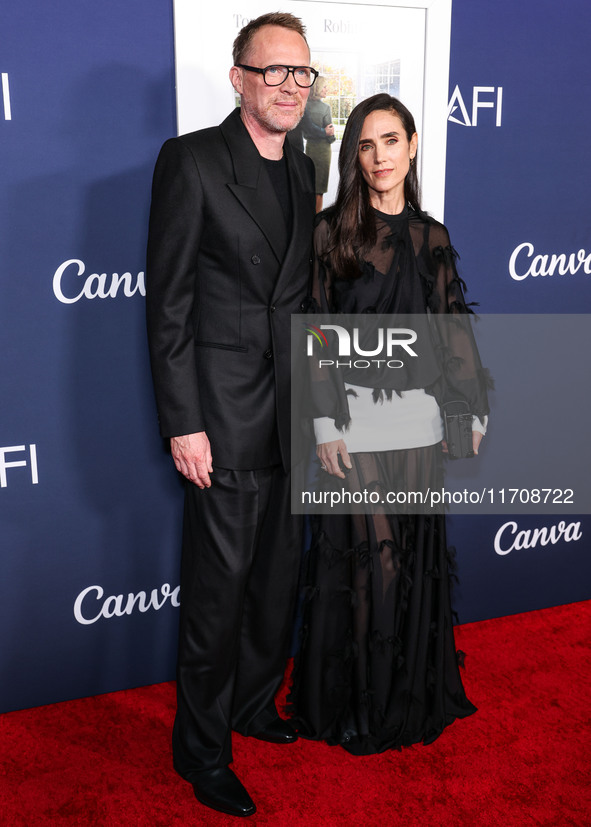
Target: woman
x: 319, y: 133
x: 377, y: 668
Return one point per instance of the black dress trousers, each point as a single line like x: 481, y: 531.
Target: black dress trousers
x: 239, y: 573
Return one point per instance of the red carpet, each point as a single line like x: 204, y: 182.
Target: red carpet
x: 523, y: 759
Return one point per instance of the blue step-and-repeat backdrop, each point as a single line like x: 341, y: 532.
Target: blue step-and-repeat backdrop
x: 90, y: 506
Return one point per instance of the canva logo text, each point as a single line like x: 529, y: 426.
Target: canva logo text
x: 524, y: 263
x: 68, y: 288
x: 509, y: 538
x: 90, y: 606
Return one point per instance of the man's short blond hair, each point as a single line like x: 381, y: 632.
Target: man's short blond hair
x: 244, y: 38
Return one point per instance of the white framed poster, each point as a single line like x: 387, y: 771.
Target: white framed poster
x: 361, y: 48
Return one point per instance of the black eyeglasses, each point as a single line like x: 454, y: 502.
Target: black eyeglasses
x: 304, y: 76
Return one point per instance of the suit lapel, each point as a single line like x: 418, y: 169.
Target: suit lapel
x: 252, y: 186
x: 302, y: 202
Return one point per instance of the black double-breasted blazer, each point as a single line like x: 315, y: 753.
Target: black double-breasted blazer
x: 223, y: 276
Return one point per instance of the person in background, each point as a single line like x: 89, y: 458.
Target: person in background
x: 318, y: 130
x: 228, y: 263
x: 305, y: 127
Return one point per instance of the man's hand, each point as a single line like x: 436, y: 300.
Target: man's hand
x: 192, y: 457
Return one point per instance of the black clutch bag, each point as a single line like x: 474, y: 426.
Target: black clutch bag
x: 457, y: 421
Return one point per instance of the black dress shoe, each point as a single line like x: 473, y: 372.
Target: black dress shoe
x: 221, y: 790
x: 277, y: 732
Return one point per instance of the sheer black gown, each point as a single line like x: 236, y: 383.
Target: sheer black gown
x: 377, y: 667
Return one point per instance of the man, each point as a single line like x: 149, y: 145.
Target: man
x: 228, y: 263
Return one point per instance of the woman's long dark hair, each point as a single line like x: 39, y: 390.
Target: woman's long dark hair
x: 353, y: 224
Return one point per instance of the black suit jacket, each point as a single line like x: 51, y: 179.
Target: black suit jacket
x: 220, y: 294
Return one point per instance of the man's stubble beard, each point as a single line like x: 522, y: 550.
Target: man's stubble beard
x: 275, y: 122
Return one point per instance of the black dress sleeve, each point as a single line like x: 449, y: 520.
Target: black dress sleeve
x: 464, y: 376
x: 326, y: 390
x: 321, y: 273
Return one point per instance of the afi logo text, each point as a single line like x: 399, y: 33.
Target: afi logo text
x: 29, y: 461
x: 6, y: 97
x: 483, y: 97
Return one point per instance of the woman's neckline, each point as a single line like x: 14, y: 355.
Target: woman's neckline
x: 392, y: 218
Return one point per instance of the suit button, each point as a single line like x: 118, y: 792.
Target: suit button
x: 272, y: 309
x: 303, y: 307
x: 268, y: 354
x: 255, y: 260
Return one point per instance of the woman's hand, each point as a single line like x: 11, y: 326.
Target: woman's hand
x: 476, y: 440
x: 329, y: 452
